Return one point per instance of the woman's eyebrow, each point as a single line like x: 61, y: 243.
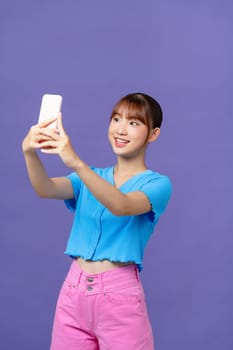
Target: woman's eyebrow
x: 132, y: 117
x: 128, y: 117
x: 117, y: 113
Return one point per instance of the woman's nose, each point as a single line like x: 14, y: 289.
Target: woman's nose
x: 122, y: 129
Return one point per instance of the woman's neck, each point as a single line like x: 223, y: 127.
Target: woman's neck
x: 124, y: 171
x: 129, y: 168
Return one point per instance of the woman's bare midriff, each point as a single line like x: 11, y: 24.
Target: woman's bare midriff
x: 90, y: 266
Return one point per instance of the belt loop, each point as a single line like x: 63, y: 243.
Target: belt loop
x: 100, y: 276
x: 79, y: 277
x: 137, y: 274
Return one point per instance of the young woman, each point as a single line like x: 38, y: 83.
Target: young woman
x: 101, y: 305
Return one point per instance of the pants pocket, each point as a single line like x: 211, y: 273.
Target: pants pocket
x: 126, y: 296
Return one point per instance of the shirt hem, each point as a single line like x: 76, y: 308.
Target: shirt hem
x: 119, y: 260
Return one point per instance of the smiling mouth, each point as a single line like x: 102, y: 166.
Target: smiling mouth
x: 120, y: 142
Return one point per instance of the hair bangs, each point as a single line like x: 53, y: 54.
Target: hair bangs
x: 134, y: 110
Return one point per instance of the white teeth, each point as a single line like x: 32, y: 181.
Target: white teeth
x: 121, y: 141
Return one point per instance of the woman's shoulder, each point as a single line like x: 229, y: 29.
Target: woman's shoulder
x: 153, y: 175
x: 155, y: 179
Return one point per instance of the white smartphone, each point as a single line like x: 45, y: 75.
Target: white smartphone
x: 50, y: 107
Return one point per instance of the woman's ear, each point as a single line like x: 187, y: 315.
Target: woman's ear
x: 154, y: 134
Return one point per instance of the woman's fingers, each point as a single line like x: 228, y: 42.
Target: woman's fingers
x: 52, y: 141
x: 47, y: 122
x: 39, y: 134
x: 38, y: 137
x: 60, y: 127
x: 55, y: 141
x: 51, y: 134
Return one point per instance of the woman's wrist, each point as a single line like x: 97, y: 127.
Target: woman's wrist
x: 78, y: 165
x: 28, y: 151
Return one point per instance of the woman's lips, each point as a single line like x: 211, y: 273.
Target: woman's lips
x: 120, y: 142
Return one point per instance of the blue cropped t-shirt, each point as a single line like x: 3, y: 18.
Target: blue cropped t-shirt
x: 97, y: 234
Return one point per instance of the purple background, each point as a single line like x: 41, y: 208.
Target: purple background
x: 93, y: 52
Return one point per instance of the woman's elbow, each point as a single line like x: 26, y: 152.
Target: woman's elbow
x: 119, y: 210
x: 43, y: 193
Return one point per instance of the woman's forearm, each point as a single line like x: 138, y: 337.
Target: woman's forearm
x: 37, y: 174
x: 106, y: 193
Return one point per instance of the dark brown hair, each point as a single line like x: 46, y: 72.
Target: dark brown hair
x: 142, y: 107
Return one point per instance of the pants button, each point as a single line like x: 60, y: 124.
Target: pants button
x: 90, y: 279
x: 89, y: 288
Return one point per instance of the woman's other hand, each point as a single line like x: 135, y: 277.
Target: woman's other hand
x: 58, y: 142
x: 36, y: 135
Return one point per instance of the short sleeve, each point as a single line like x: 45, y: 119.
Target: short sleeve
x: 158, y: 190
x: 76, y: 184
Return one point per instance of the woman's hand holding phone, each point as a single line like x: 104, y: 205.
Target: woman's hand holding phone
x: 59, y: 143
x: 49, y: 135
x: 35, y: 136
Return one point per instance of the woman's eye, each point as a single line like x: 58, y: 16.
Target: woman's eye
x: 134, y: 123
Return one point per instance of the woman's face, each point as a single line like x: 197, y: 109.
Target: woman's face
x: 127, y: 134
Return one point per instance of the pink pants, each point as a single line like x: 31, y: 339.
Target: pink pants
x: 104, y: 311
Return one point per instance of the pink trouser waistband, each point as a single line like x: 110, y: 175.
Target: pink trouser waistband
x: 95, y: 283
